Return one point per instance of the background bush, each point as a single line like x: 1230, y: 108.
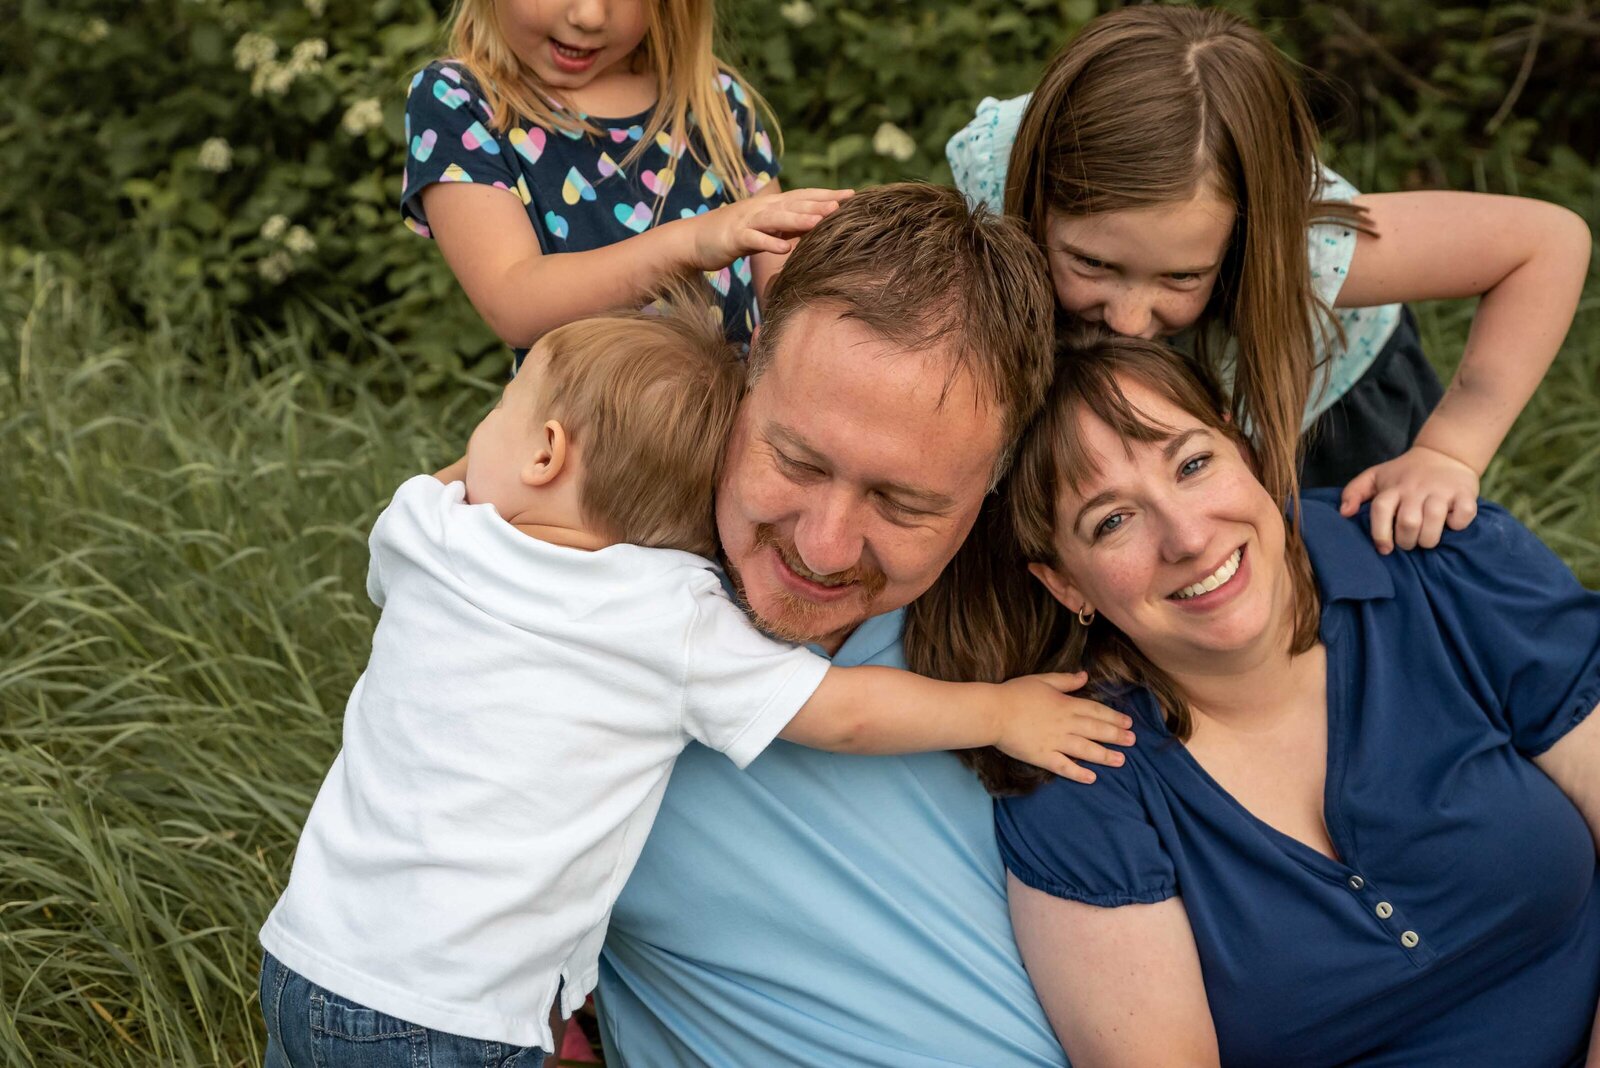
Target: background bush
x: 220, y: 352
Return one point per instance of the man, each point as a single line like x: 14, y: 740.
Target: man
x: 820, y: 909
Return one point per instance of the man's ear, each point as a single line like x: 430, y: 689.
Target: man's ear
x: 549, y: 458
x: 1060, y: 587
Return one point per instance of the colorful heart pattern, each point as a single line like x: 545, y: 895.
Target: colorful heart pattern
x: 729, y: 85
x: 636, y: 218
x: 657, y: 182
x: 607, y: 166
x: 475, y: 137
x: 576, y: 187
x: 556, y: 225
x: 631, y: 133
x: 451, y: 98
x: 529, y: 144
x: 689, y: 213
x: 710, y: 185
x: 422, y: 145
x: 454, y: 173
x: 451, y: 73
x: 764, y: 145
x: 741, y: 269
x: 721, y: 281
x: 673, y: 149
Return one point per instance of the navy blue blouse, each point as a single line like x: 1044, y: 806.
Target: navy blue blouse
x: 576, y: 191
x: 1462, y: 924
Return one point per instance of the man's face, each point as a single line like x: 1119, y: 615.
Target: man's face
x: 854, y: 472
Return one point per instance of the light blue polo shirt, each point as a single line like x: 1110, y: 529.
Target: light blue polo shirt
x: 821, y: 909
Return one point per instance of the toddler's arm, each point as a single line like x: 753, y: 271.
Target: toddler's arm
x: 489, y: 243
x: 882, y: 710
x: 1527, y: 259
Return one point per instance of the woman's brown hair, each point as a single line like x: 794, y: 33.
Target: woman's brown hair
x: 1147, y: 105
x: 986, y: 619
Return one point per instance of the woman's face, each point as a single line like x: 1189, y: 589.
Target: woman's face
x: 1143, y: 272
x: 1175, y: 542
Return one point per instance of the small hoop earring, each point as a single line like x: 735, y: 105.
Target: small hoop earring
x: 1085, y: 616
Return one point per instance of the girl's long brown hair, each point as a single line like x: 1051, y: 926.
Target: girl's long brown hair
x: 987, y: 619
x: 677, y: 47
x: 1145, y: 106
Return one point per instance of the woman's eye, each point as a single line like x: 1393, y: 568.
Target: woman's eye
x: 1109, y: 524
x: 1194, y: 465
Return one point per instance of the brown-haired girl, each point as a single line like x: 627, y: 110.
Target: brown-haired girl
x: 546, y: 211
x: 1168, y: 164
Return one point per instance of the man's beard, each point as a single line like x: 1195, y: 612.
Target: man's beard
x: 797, y: 619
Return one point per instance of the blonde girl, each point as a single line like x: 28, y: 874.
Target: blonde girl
x: 1168, y: 164
x: 574, y: 153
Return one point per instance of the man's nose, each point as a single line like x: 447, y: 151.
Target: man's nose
x: 828, y: 536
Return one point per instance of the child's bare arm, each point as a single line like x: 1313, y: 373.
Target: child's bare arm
x: 490, y: 244
x: 1032, y: 718
x: 1527, y: 259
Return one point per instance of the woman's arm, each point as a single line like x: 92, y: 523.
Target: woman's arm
x: 490, y: 244
x: 1527, y: 260
x: 1121, y: 986
x: 1573, y: 764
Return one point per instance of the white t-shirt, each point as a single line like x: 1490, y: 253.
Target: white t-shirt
x: 504, y: 756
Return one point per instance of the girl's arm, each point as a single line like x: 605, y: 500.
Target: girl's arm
x: 1573, y: 764
x: 490, y: 244
x: 882, y: 710
x: 1121, y: 986
x: 1527, y: 260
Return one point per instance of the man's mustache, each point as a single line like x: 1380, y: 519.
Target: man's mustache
x: 869, y: 580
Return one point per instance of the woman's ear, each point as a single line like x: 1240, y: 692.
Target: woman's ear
x: 550, y: 457
x: 1060, y: 587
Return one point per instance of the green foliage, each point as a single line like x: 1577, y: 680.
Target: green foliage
x: 181, y: 149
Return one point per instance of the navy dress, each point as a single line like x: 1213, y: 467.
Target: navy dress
x: 1461, y: 924
x: 576, y: 192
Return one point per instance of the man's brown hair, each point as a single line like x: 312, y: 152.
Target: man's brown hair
x: 648, y: 399
x: 987, y: 619
x: 915, y: 265
x: 1150, y: 105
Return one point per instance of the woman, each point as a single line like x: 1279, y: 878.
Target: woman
x: 1359, y: 824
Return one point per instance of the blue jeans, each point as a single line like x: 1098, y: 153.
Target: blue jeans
x: 309, y: 1027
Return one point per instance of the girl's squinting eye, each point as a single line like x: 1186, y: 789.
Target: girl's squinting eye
x: 1184, y: 276
x: 1091, y: 263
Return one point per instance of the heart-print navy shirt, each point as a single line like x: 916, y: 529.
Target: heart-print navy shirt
x: 577, y: 194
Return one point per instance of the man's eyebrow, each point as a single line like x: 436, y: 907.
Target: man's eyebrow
x: 1085, y: 254
x: 931, y: 500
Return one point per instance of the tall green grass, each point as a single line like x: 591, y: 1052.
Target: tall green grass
x: 183, y: 517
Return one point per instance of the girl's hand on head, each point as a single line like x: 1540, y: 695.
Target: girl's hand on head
x: 1414, y: 497
x: 759, y: 224
x: 1047, y: 728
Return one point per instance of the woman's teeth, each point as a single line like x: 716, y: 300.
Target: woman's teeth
x: 1217, y: 578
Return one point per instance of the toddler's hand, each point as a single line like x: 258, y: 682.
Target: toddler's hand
x: 1414, y: 496
x: 760, y: 224
x: 1044, y: 726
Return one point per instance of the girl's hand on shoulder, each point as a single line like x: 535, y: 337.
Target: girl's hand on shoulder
x: 759, y: 224
x: 1414, y: 497
x: 1044, y: 726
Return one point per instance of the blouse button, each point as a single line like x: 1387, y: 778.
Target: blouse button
x: 1357, y: 882
x: 1409, y: 939
x: 1385, y: 910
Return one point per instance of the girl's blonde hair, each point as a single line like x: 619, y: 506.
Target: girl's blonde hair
x: 1148, y: 105
x: 986, y: 619
x: 690, y: 83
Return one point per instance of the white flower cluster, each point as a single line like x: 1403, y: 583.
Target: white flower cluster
x: 258, y: 53
x: 215, y: 155
x: 798, y: 13
x: 362, y: 116
x: 293, y: 241
x: 893, y: 142
x: 316, y: 7
x: 94, y: 31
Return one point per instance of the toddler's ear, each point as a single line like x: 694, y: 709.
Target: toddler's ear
x: 549, y: 458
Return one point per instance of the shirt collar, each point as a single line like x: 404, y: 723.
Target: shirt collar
x: 1346, y: 563
x: 875, y: 641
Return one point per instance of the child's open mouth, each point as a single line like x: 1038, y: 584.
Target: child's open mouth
x: 572, y: 60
